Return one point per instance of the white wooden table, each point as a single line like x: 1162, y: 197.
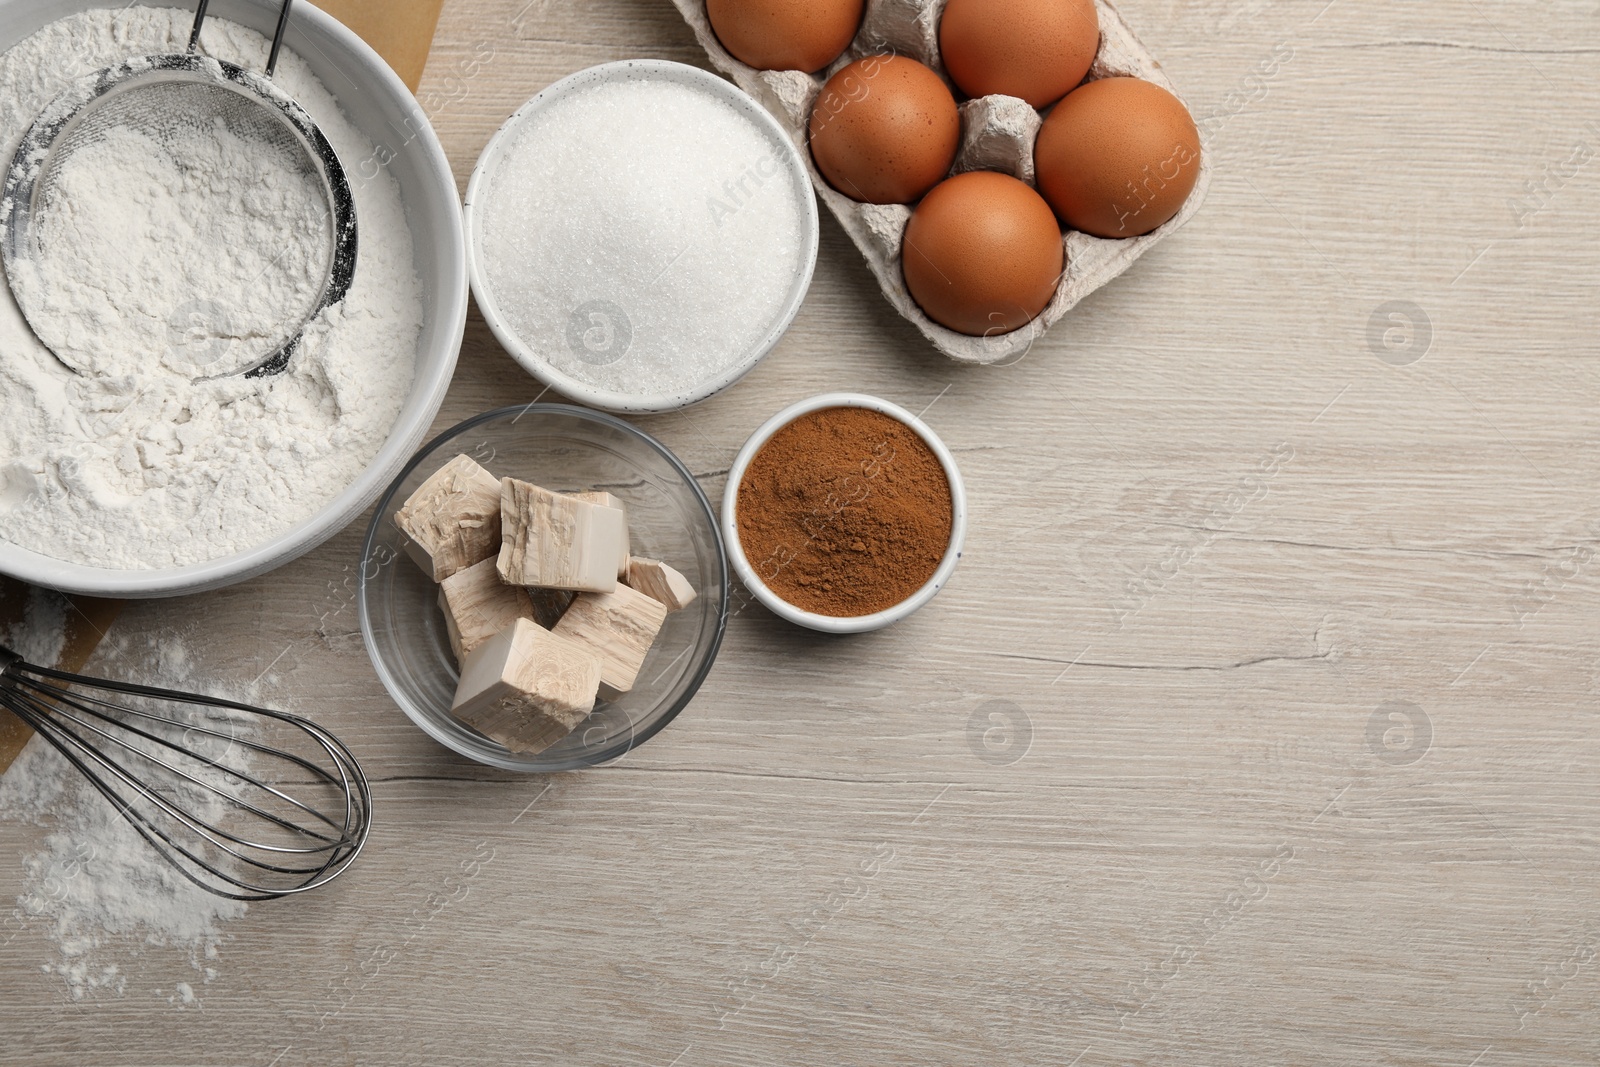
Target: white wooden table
x: 1257, y: 726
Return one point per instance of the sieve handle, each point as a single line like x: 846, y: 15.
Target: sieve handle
x: 199, y: 20
x: 277, y: 37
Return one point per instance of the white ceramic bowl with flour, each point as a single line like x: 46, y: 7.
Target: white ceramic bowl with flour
x: 220, y: 486
x: 640, y: 235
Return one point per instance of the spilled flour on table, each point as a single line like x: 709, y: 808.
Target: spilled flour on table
x: 99, y: 893
x: 41, y: 636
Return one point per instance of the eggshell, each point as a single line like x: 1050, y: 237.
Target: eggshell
x: 785, y: 34
x: 982, y: 254
x: 885, y: 130
x: 1118, y: 157
x: 911, y: 28
x: 1038, y: 50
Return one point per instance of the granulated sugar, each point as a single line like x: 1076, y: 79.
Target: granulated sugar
x: 151, y: 469
x: 97, y: 890
x: 642, y: 236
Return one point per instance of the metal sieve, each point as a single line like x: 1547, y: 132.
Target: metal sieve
x: 163, y: 97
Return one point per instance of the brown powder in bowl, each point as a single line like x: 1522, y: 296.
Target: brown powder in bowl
x: 844, y: 512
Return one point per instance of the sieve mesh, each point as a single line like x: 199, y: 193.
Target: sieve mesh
x: 168, y: 109
x: 161, y: 102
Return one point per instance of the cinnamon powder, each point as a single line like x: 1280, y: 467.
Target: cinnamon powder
x: 844, y: 512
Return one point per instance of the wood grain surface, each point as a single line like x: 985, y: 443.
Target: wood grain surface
x: 1257, y: 726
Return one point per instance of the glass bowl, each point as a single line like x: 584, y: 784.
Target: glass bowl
x: 561, y: 448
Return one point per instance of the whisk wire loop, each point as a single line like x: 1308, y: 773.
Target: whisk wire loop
x: 238, y: 774
x: 234, y: 828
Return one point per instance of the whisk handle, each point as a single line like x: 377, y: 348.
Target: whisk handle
x: 8, y: 659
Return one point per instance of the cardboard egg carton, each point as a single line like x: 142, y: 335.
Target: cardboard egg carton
x: 997, y: 133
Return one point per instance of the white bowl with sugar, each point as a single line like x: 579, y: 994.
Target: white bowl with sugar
x: 640, y: 235
x: 127, y: 485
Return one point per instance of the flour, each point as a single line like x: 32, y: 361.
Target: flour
x: 96, y: 889
x: 40, y: 636
x: 201, y: 250
x: 131, y: 463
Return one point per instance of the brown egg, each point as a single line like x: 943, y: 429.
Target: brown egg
x: 885, y: 130
x: 1034, y: 49
x: 785, y: 34
x: 1118, y: 157
x: 982, y: 254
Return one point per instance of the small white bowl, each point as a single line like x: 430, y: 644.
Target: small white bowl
x: 501, y: 143
x: 852, y: 624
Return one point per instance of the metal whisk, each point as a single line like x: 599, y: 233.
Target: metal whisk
x: 197, y: 778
